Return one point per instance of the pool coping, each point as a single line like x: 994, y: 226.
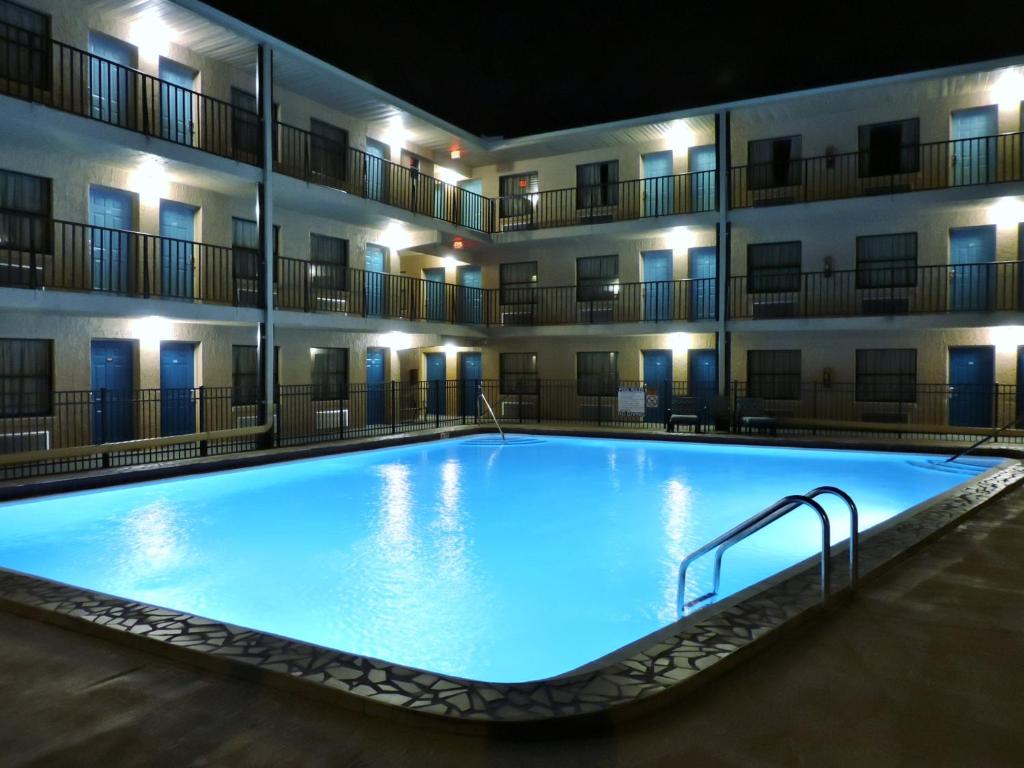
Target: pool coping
x: 627, y: 683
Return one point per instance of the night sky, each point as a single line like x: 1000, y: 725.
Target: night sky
x: 513, y: 68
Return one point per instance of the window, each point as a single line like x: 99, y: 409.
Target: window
x: 519, y: 283
x: 597, y: 278
x: 887, y: 261
x: 328, y: 147
x: 245, y: 125
x: 518, y: 373
x: 26, y: 377
x: 773, y: 162
x: 245, y: 243
x: 517, y: 193
x: 597, y: 373
x: 887, y: 375
x: 888, y: 148
x: 24, y: 47
x: 245, y: 377
x: 330, y: 373
x: 328, y: 262
x: 597, y: 184
x: 773, y: 374
x: 24, y: 212
x: 773, y: 267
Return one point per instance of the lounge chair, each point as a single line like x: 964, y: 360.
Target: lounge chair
x: 751, y: 415
x: 685, y: 411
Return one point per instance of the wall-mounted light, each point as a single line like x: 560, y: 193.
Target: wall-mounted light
x: 680, y: 239
x: 1006, y: 338
x: 1007, y: 212
x: 679, y: 341
x: 395, y: 236
x: 149, y: 180
x: 396, y: 340
x: 150, y: 331
x: 1008, y: 91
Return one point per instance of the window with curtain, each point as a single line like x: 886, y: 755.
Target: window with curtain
x: 516, y: 192
x: 597, y: 373
x: 26, y: 377
x: 24, y: 47
x: 245, y: 125
x: 889, y: 148
x: 245, y: 244
x: 328, y: 147
x: 519, y: 282
x: 245, y: 377
x: 773, y: 162
x: 773, y: 267
x: 25, y: 212
x: 887, y: 375
x: 597, y: 278
x: 329, y: 373
x: 328, y: 262
x: 773, y: 374
x: 887, y: 261
x: 597, y: 184
x: 518, y: 373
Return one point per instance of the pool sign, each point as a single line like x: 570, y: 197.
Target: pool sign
x: 652, y: 397
x: 631, y: 400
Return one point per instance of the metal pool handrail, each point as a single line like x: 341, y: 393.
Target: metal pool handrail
x: 770, y: 514
x: 491, y: 410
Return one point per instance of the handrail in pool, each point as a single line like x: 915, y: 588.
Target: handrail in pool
x: 484, y: 398
x: 770, y: 514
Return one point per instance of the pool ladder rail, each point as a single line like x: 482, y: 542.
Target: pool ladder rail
x: 480, y: 391
x: 766, y: 517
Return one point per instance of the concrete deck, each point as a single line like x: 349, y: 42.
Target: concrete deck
x: 924, y: 667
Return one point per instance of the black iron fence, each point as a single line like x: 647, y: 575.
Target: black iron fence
x: 908, y: 168
x: 36, y: 68
x: 985, y: 287
x: 304, y: 415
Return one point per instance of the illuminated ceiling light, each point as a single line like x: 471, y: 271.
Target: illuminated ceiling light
x: 448, y: 175
x: 150, y: 331
x: 679, y: 137
x: 396, y: 237
x: 450, y: 347
x: 680, y: 239
x: 1007, y: 212
x: 680, y: 342
x: 149, y: 180
x: 396, y: 340
x: 1008, y: 90
x: 151, y: 35
x: 395, y: 134
x: 451, y: 261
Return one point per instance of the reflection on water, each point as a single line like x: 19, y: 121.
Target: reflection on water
x: 451, y: 540
x: 395, y: 514
x: 155, y: 538
x: 675, y: 513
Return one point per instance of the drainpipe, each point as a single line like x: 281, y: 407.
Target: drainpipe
x: 722, y: 160
x: 265, y: 86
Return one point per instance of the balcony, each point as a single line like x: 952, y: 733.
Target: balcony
x: 986, y: 287
x: 911, y: 168
x: 38, y: 69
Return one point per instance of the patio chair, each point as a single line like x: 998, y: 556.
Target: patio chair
x: 751, y: 415
x: 685, y: 411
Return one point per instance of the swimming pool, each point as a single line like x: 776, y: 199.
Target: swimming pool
x: 463, y: 556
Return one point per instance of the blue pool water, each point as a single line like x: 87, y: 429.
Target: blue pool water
x: 500, y: 563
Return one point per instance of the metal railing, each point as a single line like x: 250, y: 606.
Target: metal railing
x: 909, y: 168
x: 986, y: 287
x: 39, y: 69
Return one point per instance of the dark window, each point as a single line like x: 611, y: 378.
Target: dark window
x: 773, y: 374
x: 26, y: 377
x: 518, y: 373
x: 245, y: 125
x: 519, y: 283
x: 330, y: 373
x: 597, y: 184
x: 887, y: 375
x: 597, y: 373
x: 887, y: 261
x: 245, y: 243
x: 597, y: 278
x: 24, y: 48
x: 329, y: 262
x: 25, y: 218
x: 328, y: 147
x: 888, y: 148
x: 773, y: 267
x: 517, y: 191
x: 245, y: 377
x: 773, y: 162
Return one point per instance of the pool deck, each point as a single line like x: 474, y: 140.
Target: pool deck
x: 924, y: 666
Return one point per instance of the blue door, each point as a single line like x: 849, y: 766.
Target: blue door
x: 658, y: 384
x: 471, y: 295
x: 110, y: 83
x: 376, y: 170
x: 177, y: 388
x: 471, y: 204
x: 435, y: 288
x: 470, y: 374
x: 110, y: 215
x: 176, y: 94
x: 972, y: 251
x: 702, y: 373
x: 112, y: 376
x: 177, y: 249
x: 703, y: 164
x: 971, y: 386
x: 703, y: 286
x: 659, y: 291
x: 659, y: 189
x: 436, y: 383
x: 376, y: 386
x: 376, y: 266
x: 974, y: 145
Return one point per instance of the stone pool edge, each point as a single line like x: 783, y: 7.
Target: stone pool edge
x: 626, y: 687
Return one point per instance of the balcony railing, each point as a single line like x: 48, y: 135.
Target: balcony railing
x: 38, y: 69
x: 616, y: 201
x: 987, y: 287
x: 910, y: 168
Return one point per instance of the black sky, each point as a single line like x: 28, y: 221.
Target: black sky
x: 512, y: 68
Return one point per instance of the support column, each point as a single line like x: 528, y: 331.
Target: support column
x: 265, y: 216
x: 722, y: 155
